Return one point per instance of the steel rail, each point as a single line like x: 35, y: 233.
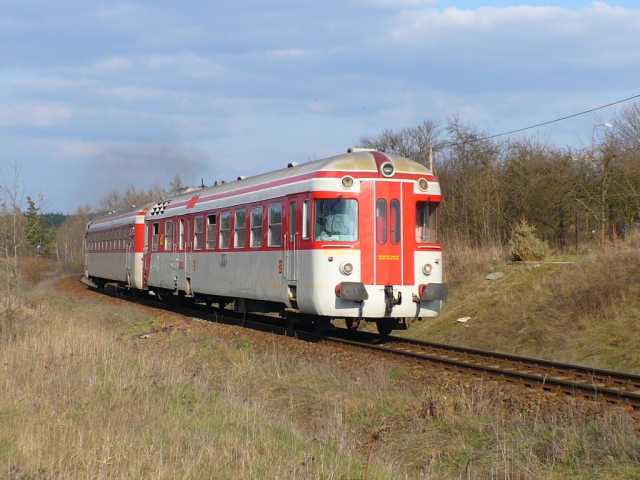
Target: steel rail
x: 567, y: 377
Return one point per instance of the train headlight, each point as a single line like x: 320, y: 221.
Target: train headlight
x: 423, y: 184
x: 347, y: 182
x: 426, y: 268
x: 387, y: 169
x: 346, y: 268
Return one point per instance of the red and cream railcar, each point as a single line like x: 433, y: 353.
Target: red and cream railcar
x: 351, y: 236
x: 114, y: 247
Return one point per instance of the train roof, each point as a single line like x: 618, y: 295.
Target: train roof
x: 360, y: 160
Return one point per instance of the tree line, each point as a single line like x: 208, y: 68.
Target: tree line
x: 572, y: 196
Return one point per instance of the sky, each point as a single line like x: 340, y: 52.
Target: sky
x: 96, y: 96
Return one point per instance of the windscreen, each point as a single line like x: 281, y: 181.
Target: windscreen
x: 336, y: 220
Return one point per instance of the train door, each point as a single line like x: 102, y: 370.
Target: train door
x: 150, y: 235
x: 291, y: 242
x: 187, y: 254
x: 129, y: 253
x: 381, y: 233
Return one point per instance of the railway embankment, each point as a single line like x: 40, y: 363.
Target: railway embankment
x: 581, y: 309
x: 96, y: 386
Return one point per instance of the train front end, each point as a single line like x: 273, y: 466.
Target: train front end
x: 376, y: 255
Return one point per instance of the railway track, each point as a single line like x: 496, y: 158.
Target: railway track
x: 576, y: 380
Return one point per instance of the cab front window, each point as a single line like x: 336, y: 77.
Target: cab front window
x: 336, y: 219
x: 426, y: 225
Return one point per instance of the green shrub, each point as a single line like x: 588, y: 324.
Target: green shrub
x: 525, y: 245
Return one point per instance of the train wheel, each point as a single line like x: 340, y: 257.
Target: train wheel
x: 385, y: 326
x: 352, y: 323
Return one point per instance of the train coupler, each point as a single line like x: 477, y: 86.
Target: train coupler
x: 390, y: 300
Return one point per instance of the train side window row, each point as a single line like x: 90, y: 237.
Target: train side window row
x: 113, y: 240
x: 246, y: 226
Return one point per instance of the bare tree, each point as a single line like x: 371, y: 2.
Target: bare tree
x: 69, y: 242
x: 412, y: 142
x: 11, y: 225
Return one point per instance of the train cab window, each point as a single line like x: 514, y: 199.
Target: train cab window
x: 168, y: 236
x: 211, y: 231
x: 198, y: 233
x: 306, y: 219
x: 181, y: 235
x: 240, y: 229
x: 256, y: 227
x: 275, y: 225
x: 381, y: 221
x: 426, y: 222
x: 155, y: 237
x: 225, y: 229
x: 395, y: 221
x: 336, y: 220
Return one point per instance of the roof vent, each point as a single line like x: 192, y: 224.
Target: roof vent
x: 240, y: 177
x: 292, y: 164
x: 360, y: 149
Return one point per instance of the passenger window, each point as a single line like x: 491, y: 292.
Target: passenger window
x: 211, y: 231
x: 181, y: 237
x: 168, y: 236
x: 306, y: 220
x: 275, y: 225
x: 155, y: 237
x: 225, y: 229
x: 240, y: 228
x: 198, y: 233
x: 256, y: 227
x: 381, y: 221
x: 395, y: 222
x: 426, y: 224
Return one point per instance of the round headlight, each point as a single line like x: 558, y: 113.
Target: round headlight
x: 423, y: 184
x: 387, y: 169
x: 426, y: 269
x: 347, y: 182
x: 346, y: 268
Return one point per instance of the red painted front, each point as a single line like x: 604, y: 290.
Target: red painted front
x: 385, y: 242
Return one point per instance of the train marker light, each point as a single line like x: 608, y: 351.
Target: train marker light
x: 423, y: 184
x: 347, y: 182
x: 426, y: 269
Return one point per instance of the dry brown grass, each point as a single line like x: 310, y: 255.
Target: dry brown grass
x: 586, y: 312
x: 84, y: 397
x: 462, y: 262
x: 36, y: 269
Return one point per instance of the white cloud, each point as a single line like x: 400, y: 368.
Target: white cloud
x: 397, y: 3
x: 287, y: 53
x: 184, y: 64
x: 411, y: 25
x: 34, y: 115
x: 78, y: 148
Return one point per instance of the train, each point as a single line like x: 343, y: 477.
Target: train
x: 351, y: 237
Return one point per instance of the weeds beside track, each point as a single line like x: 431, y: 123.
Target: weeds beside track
x: 576, y: 380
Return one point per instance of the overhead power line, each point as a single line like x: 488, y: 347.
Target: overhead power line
x: 542, y: 124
